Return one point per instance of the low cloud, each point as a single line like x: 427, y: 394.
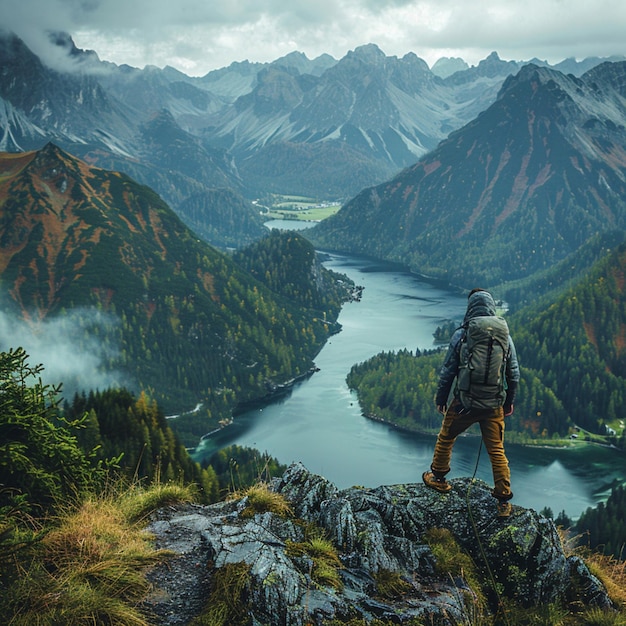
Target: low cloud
x: 199, y: 36
x: 75, y: 349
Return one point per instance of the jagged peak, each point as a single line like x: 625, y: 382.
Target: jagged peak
x: 368, y: 52
x: 492, y: 56
x: 52, y: 147
x: 51, y: 151
x: 51, y: 162
x: 75, y: 58
x: 63, y: 39
x: 446, y: 66
x: 412, y: 59
x: 299, y: 62
x: 535, y: 73
x: 295, y: 55
x: 493, y: 65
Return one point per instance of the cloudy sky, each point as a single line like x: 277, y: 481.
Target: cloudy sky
x: 197, y: 36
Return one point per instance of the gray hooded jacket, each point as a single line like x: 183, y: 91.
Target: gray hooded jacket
x: 479, y: 303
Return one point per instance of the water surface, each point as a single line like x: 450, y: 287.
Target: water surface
x: 320, y: 422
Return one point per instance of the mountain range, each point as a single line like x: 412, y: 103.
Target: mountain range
x: 525, y: 184
x: 503, y: 169
x: 324, y: 128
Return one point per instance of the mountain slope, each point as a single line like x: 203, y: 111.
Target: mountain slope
x: 320, y: 128
x: 72, y: 107
x: 577, y: 345
x: 118, y: 118
x: 514, y: 191
x: 190, y: 325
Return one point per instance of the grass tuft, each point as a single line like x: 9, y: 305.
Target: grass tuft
x: 139, y: 503
x: 391, y: 585
x: 227, y: 604
x: 325, y: 563
x: 452, y: 561
x: 89, y: 568
x: 611, y: 572
x: 600, y: 617
x: 261, y: 499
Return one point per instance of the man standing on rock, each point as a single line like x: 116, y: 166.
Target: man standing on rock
x: 482, y: 358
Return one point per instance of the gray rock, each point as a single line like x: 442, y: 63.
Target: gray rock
x: 377, y: 532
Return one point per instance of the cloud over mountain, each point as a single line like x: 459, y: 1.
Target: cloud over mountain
x: 68, y: 346
x: 196, y: 37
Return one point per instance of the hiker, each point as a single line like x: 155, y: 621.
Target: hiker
x: 474, y: 402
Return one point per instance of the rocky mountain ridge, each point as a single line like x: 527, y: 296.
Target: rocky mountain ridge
x: 387, y: 560
x: 321, y: 127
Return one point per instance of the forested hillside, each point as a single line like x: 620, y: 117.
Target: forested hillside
x: 287, y: 263
x: 606, y: 524
x: 118, y: 425
x: 53, y: 450
x: 542, y: 288
x: 223, y: 218
x: 577, y: 345
x: 166, y: 312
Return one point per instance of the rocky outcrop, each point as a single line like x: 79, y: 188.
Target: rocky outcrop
x: 379, y: 534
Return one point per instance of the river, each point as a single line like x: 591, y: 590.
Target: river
x: 320, y: 423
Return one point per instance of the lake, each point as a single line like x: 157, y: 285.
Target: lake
x: 320, y: 423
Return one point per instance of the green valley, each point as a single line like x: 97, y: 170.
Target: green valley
x: 286, y: 207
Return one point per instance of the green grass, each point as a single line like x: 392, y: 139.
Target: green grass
x: 325, y: 562
x: 90, y: 565
x: 261, y: 499
x: 137, y: 504
x: 452, y: 561
x: 301, y: 208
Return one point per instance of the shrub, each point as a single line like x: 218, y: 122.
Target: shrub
x: 41, y: 463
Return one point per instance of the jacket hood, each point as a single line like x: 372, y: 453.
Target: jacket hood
x: 479, y: 304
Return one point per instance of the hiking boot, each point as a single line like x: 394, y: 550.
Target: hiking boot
x: 504, y: 508
x: 438, y: 484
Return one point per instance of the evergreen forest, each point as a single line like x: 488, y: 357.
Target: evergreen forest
x: 289, y: 266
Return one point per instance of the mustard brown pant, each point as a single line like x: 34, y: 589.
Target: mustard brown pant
x: 491, y: 421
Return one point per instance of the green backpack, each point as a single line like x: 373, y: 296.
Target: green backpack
x: 481, y: 380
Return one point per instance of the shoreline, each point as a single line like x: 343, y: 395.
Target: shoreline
x: 574, y: 444
x: 276, y: 391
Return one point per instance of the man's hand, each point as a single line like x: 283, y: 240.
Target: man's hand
x: 442, y: 408
x: 508, y: 410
